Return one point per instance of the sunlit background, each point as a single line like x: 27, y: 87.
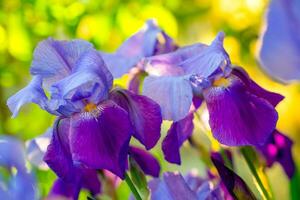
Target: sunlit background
x: 106, y: 24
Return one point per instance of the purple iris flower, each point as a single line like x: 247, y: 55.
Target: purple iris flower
x: 148, y: 41
x: 97, y: 121
x: 173, y: 186
x: 21, y: 184
x: 240, y: 111
x: 280, y: 42
x: 278, y: 148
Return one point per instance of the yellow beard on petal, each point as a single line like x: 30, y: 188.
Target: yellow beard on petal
x: 90, y: 107
x: 221, y: 82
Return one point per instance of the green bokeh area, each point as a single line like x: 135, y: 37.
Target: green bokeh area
x: 107, y: 24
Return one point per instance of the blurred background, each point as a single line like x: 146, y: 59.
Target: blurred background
x: 106, y: 23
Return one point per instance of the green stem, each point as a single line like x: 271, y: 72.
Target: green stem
x: 255, y: 173
x: 132, y: 187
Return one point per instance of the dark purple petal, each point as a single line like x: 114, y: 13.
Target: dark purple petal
x: 280, y: 49
x: 172, y: 187
x: 173, y: 94
x: 62, y: 189
x: 100, y: 139
x: 58, y: 156
x: 234, y: 183
x: 272, y: 97
x: 279, y: 149
x: 135, y: 80
x: 238, y: 117
x: 144, y: 113
x: 146, y: 161
x: 177, y: 134
x: 91, y: 181
x: 32, y: 93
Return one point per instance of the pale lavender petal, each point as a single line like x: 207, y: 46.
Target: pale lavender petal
x: 32, y: 93
x: 173, y: 94
x: 177, y: 134
x: 237, y: 117
x: 23, y: 186
x: 280, y: 45
x: 100, y: 139
x: 144, y: 113
x: 172, y: 187
x: 54, y: 59
x: 146, y: 161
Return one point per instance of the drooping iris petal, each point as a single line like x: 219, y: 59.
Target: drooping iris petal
x: 146, y: 161
x: 100, y: 139
x: 234, y: 183
x: 278, y: 148
x: 37, y: 147
x: 173, y: 94
x: 144, y: 113
x: 90, y: 181
x: 65, y: 190
x: 206, y: 62
x: 32, y: 93
x: 11, y: 153
x: 238, y: 117
x: 172, y: 187
x: 272, y: 97
x: 177, y: 134
x: 135, y: 80
x: 280, y: 45
x: 54, y: 60
x: 58, y: 155
x: 146, y: 42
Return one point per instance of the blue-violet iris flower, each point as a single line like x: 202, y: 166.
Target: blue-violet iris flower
x: 97, y: 121
x: 240, y: 111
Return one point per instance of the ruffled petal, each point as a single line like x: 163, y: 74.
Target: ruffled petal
x: 208, y: 61
x: 172, y: 187
x: 32, y: 93
x: 146, y: 161
x: 280, y: 45
x: 254, y: 88
x: 279, y: 149
x: 144, y: 113
x: 238, y: 117
x: 148, y: 41
x: 177, y: 134
x: 90, y: 81
x: 58, y: 155
x: 173, y: 94
x: 100, y: 139
x: 54, y: 59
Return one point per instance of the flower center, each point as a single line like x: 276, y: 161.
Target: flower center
x: 221, y: 82
x: 90, y: 107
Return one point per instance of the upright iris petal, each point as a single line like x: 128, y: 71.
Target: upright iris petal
x: 280, y: 43
x: 148, y: 41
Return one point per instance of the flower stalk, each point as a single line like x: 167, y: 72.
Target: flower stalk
x: 132, y: 187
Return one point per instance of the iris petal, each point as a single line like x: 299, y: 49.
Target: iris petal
x: 173, y: 94
x: 100, y: 139
x: 144, y: 113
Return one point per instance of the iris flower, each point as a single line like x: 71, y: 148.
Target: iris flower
x: 94, y: 124
x: 20, y: 183
x: 240, y: 111
x: 280, y: 41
